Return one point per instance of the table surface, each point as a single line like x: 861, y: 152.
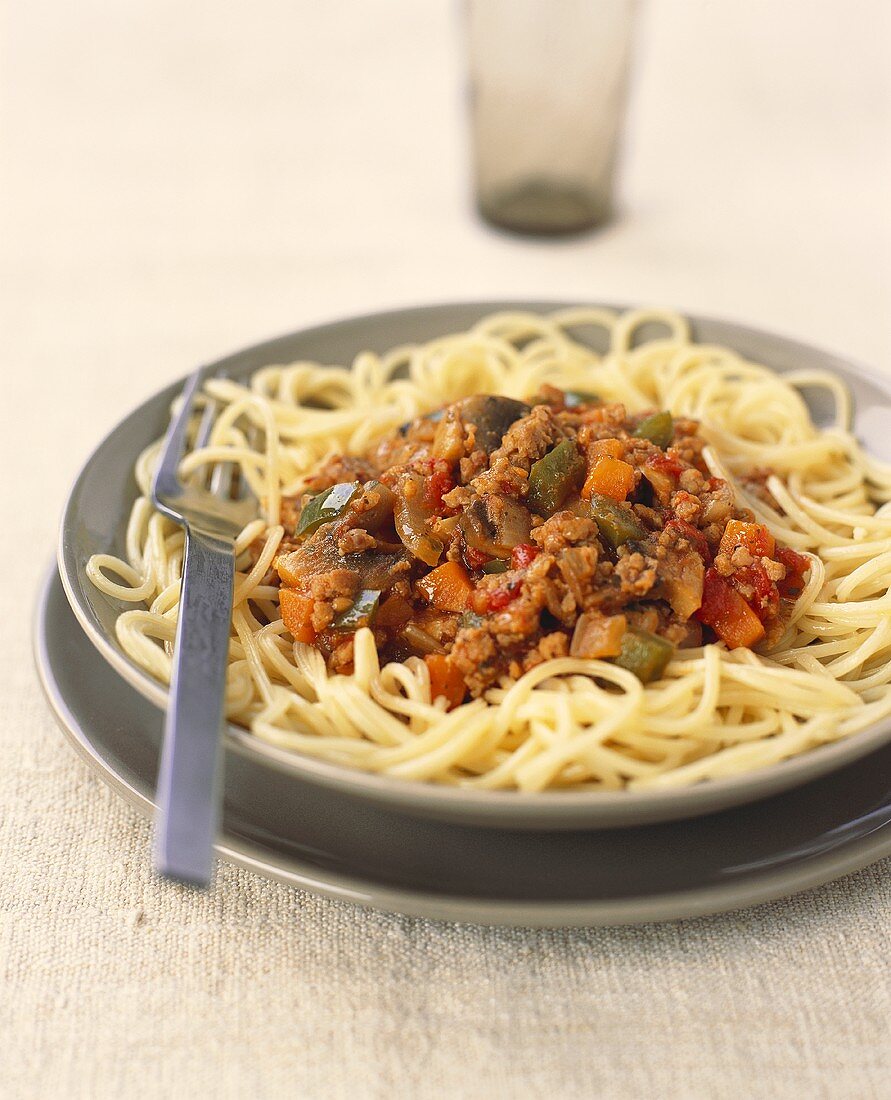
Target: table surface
x: 178, y: 180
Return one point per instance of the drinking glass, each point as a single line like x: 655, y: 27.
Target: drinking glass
x: 548, y: 83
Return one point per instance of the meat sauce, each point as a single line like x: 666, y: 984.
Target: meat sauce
x: 494, y: 534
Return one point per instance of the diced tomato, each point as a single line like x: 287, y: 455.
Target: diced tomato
x: 445, y: 680
x: 667, y: 464
x: 610, y: 477
x: 437, y: 484
x: 296, y: 612
x: 475, y: 559
x: 754, y: 537
x: 796, y: 566
x: 496, y: 600
x: 522, y: 556
x: 727, y: 613
x: 753, y: 578
x: 696, y: 538
x: 447, y: 588
x: 662, y: 472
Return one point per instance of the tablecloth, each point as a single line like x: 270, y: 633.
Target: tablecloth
x: 180, y: 180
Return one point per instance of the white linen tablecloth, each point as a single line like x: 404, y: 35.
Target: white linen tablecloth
x: 179, y: 180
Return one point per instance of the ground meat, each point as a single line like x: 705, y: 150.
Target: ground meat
x: 529, y: 439
x: 472, y: 465
x: 636, y: 574
x: 525, y: 441
x: 550, y: 648
x: 340, y: 659
x: 340, y: 468
x: 692, y: 481
x: 475, y: 654
x: 355, y: 541
x: 775, y: 570
x: 687, y: 507
x: 326, y: 590
x: 688, y: 448
x: 718, y: 504
x: 578, y: 569
x: 723, y: 563
x: 605, y: 422
x: 636, y: 452
x: 289, y: 513
x: 502, y: 476
x: 562, y: 530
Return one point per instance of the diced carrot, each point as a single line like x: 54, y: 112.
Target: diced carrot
x: 614, y: 448
x: 287, y: 567
x: 610, y: 477
x: 445, y: 680
x: 755, y: 537
x: 728, y: 614
x: 448, y: 587
x: 296, y: 612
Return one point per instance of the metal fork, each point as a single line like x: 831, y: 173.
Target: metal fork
x: 189, y: 780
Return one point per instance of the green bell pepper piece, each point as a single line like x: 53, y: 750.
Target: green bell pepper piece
x: 360, y: 614
x: 658, y: 428
x: 644, y: 654
x: 496, y: 565
x: 553, y: 478
x: 325, y: 506
x: 616, y: 522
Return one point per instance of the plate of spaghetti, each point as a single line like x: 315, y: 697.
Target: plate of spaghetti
x: 524, y: 564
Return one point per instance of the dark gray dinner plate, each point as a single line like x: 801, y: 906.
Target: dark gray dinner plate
x: 344, y: 847
x: 95, y: 516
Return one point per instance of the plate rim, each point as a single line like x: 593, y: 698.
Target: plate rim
x: 547, y: 809
x: 711, y: 900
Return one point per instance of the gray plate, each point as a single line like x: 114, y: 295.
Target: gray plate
x: 100, y: 500
x: 341, y: 846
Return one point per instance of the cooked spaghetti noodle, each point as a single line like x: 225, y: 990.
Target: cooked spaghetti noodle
x: 570, y: 722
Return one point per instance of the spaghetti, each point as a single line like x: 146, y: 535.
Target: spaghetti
x: 568, y: 722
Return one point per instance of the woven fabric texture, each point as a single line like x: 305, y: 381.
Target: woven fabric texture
x: 180, y: 180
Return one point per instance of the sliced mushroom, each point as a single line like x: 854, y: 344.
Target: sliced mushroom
x: 413, y: 517
x: 492, y: 415
x: 495, y: 524
x: 371, y: 509
x: 682, y: 576
x: 377, y: 569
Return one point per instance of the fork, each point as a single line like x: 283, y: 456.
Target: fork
x: 189, y: 779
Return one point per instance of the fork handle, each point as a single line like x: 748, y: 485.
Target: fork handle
x: 189, y: 780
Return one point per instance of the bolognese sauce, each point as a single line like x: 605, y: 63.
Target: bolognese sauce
x: 494, y: 534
